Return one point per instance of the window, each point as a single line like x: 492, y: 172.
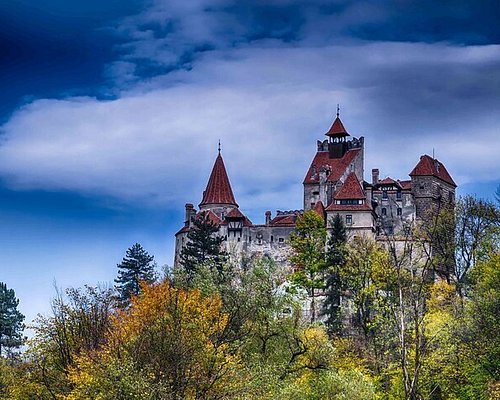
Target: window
x: 349, y: 202
x: 272, y: 238
x: 398, y: 195
x: 238, y: 239
x: 422, y: 186
x: 400, y: 211
x: 316, y: 193
x: 281, y: 240
x: 384, y: 194
x: 384, y: 211
x: 348, y: 219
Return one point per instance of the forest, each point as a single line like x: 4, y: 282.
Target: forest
x: 414, y: 317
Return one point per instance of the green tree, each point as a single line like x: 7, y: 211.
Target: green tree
x: 476, y: 233
x: 11, y: 321
x: 79, y: 322
x: 336, y: 255
x: 136, y: 266
x: 203, y: 246
x: 308, y: 255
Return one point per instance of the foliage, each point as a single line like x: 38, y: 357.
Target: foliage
x: 11, y: 321
x: 308, y: 255
x: 79, y: 323
x: 203, y: 246
x: 336, y: 255
x: 173, y: 341
x: 477, y: 234
x: 136, y: 266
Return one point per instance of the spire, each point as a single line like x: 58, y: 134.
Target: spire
x: 218, y: 189
x: 337, y: 129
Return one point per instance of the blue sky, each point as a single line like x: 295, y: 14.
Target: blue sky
x: 111, y: 111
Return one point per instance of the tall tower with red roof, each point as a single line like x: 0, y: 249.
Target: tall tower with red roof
x: 335, y: 158
x: 218, y: 195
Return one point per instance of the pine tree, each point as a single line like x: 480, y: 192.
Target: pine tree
x: 308, y: 255
x: 11, y: 320
x: 335, y: 258
x: 136, y: 266
x: 203, y: 246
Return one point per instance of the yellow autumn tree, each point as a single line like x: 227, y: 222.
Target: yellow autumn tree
x: 170, y: 344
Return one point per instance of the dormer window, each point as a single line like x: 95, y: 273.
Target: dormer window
x: 235, y: 225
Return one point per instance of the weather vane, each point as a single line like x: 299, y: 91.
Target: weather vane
x: 338, y: 110
x: 219, y: 146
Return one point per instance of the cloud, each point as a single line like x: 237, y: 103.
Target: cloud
x: 268, y: 104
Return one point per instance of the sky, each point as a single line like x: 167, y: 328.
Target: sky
x: 110, y: 114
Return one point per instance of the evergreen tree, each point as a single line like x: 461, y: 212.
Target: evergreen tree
x: 336, y: 255
x: 11, y: 320
x: 136, y: 266
x: 203, y: 246
x: 308, y: 256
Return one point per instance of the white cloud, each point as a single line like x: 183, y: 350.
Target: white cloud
x: 268, y: 105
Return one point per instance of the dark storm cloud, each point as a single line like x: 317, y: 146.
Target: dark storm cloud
x: 55, y: 48
x: 187, y: 73
x: 170, y: 35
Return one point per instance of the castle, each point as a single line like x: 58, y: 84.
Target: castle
x: 333, y: 184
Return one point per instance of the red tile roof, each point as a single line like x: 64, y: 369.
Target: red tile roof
x: 337, y: 166
x: 387, y: 181
x: 218, y: 189
x: 337, y: 129
x: 351, y: 189
x: 348, y: 207
x: 184, y: 229
x: 405, y: 185
x: 236, y: 213
x: 427, y: 166
x: 212, y: 217
x: 284, y: 220
x: 320, y: 209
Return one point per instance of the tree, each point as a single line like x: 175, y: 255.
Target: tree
x: 336, y: 255
x: 136, y: 266
x: 308, y: 255
x: 79, y: 322
x: 169, y: 344
x: 11, y: 320
x: 203, y: 246
x: 476, y: 232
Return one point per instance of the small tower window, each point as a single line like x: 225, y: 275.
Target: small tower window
x: 384, y: 211
x: 398, y: 195
x: 384, y: 194
x: 348, y: 219
x: 272, y: 238
x: 400, y: 211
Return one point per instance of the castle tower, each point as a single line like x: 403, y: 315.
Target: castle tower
x: 218, y: 196
x: 337, y: 134
x: 335, y: 159
x: 432, y: 186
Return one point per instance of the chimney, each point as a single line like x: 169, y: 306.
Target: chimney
x: 268, y: 218
x: 189, y: 212
x: 375, y: 174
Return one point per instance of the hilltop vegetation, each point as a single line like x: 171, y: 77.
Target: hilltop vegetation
x: 416, y: 325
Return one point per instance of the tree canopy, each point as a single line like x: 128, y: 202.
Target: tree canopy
x: 11, y: 321
x: 136, y: 266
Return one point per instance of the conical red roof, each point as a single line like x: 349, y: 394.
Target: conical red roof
x: 337, y: 129
x: 428, y: 166
x: 218, y: 189
x: 351, y: 189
